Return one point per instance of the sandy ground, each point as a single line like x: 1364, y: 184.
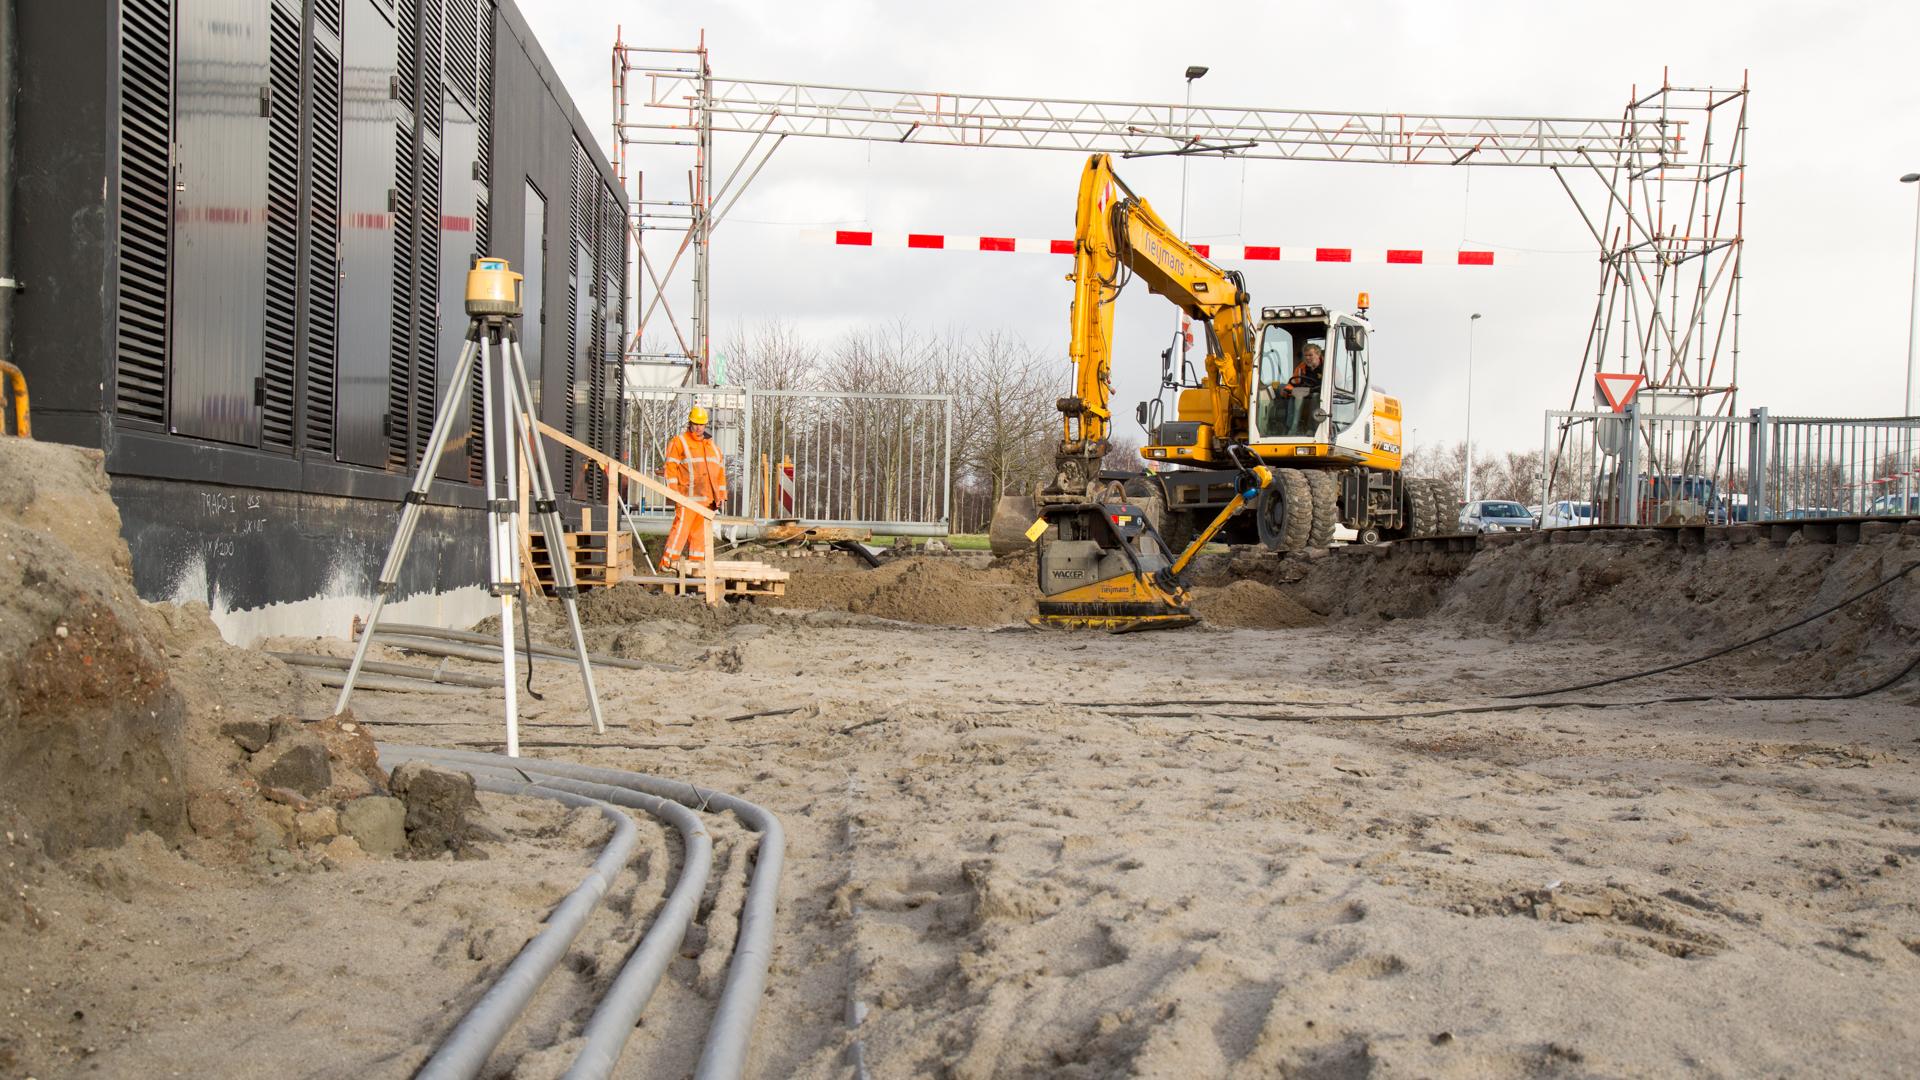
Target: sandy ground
x: 1024, y: 853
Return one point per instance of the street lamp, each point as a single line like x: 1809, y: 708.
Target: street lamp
x: 1913, y: 305
x: 1194, y: 71
x: 1466, y: 482
x: 1913, y: 331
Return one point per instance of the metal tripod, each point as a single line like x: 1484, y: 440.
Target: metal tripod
x: 509, y: 431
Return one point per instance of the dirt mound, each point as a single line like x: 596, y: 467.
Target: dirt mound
x: 118, y: 716
x: 89, y: 719
x: 625, y: 605
x: 1642, y: 588
x: 1251, y: 605
x: 939, y: 591
x: 1403, y: 584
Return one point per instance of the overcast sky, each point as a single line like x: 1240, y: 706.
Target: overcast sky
x: 1835, y: 120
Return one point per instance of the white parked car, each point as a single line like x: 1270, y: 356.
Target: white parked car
x: 1566, y: 512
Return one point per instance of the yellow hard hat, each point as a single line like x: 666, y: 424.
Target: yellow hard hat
x: 698, y: 415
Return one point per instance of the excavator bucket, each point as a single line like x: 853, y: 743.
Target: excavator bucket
x: 1012, y: 516
x: 1106, y: 568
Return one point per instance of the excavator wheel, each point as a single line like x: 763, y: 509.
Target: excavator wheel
x: 1427, y: 502
x: 1284, y: 511
x: 1325, y: 494
x: 1179, y: 530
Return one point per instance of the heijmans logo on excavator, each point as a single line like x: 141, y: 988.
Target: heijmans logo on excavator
x: 1168, y: 259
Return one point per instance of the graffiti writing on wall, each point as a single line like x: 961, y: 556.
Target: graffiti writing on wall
x: 230, y: 516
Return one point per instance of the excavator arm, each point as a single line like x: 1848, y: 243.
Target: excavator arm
x: 1118, y: 236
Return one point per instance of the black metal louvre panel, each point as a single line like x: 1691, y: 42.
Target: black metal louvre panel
x: 288, y: 395
x: 146, y: 211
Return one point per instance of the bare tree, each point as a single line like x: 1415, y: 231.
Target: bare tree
x: 770, y: 355
x: 1015, y: 424
x: 1123, y: 453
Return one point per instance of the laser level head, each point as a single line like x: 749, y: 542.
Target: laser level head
x: 492, y: 289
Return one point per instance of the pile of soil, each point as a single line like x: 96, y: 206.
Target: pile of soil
x: 90, y: 721
x: 1251, y: 605
x: 1642, y: 589
x: 116, y: 716
x: 153, y: 776
x: 937, y: 591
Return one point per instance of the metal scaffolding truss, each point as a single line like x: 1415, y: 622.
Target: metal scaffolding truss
x: 1669, y: 247
x: 751, y: 106
x: 1671, y: 238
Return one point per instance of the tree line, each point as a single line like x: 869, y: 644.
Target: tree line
x: 1005, y: 424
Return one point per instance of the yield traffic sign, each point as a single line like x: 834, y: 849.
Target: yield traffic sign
x: 1617, y: 388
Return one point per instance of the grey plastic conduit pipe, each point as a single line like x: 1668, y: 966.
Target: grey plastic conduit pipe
x: 614, y: 1019
x: 725, y: 1054
x: 558, y: 652
x: 411, y: 636
x: 464, y: 1052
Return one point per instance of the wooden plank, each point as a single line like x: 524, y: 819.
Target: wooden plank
x: 623, y: 469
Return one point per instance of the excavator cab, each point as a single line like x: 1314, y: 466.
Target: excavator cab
x: 1311, y: 387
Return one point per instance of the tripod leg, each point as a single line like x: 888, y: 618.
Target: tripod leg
x: 410, y: 513
x: 549, y: 510
x: 503, y: 552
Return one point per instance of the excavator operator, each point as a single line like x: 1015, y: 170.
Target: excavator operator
x: 695, y: 469
x: 1299, y: 392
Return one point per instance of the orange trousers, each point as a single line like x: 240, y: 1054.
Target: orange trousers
x: 687, y: 539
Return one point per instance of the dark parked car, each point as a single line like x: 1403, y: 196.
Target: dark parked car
x: 1495, y: 515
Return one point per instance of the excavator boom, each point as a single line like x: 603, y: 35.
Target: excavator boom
x: 1117, y: 235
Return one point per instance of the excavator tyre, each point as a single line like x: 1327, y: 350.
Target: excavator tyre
x: 1284, y: 512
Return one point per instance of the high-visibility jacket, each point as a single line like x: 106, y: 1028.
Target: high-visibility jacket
x: 695, y: 468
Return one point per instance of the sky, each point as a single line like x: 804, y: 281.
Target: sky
x: 1830, y: 232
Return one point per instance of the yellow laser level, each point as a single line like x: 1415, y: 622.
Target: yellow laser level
x: 492, y: 289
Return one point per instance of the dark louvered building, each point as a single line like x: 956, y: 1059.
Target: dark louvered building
x: 244, y: 228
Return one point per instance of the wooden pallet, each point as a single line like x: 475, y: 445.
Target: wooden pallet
x: 598, y: 559
x: 736, y: 578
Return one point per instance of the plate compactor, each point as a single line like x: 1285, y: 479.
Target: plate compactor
x: 1106, y: 567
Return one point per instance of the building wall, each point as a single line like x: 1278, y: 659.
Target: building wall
x: 245, y: 227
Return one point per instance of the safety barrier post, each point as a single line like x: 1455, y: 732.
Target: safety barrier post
x: 12, y: 377
x: 1757, y: 466
x: 1630, y: 466
x: 746, y: 450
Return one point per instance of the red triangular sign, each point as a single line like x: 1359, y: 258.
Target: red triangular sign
x: 1618, y: 388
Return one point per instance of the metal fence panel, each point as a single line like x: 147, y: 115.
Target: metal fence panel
x: 881, y: 461
x: 1641, y: 468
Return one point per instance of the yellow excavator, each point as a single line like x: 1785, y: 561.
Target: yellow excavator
x: 1289, y: 388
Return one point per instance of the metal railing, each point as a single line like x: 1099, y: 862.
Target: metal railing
x: 857, y: 460
x: 1644, y: 468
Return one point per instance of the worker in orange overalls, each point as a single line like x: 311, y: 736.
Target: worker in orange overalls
x: 694, y: 469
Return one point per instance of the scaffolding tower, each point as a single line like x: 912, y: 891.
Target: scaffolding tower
x: 1670, y: 235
